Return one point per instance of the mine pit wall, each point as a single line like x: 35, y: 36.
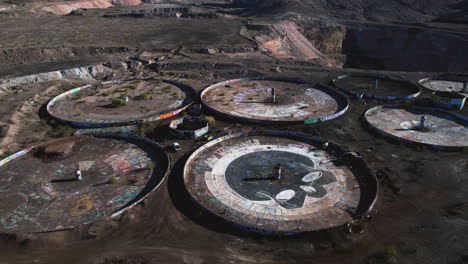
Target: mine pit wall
x: 282, y: 40
x: 389, y: 47
x: 398, y: 48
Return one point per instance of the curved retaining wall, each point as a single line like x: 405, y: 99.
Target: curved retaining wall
x: 407, y: 141
x: 452, y: 101
x: 342, y: 101
x: 359, y: 168
x: 192, y: 134
x: 187, y: 103
x: 151, y: 188
x: 415, y: 93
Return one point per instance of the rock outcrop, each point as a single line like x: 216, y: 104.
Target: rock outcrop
x: 282, y: 40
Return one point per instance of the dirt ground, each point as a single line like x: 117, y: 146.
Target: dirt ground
x: 420, y: 216
x: 422, y: 212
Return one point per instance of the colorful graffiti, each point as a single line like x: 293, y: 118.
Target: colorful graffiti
x: 39, y: 201
x: 82, y: 206
x: 184, y: 133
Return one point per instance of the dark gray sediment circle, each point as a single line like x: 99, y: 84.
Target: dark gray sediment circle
x: 350, y: 193
x: 411, y: 90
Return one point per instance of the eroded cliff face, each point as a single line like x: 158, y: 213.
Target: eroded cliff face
x: 405, y: 49
x: 285, y: 40
x: 374, y: 10
x: 282, y: 40
x: 391, y: 47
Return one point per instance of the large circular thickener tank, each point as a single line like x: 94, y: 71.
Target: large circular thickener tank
x: 141, y: 100
x: 375, y: 86
x: 280, y: 182
x: 41, y: 191
x: 274, y: 100
x: 417, y: 125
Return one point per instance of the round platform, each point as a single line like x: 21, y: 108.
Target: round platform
x: 457, y: 85
x: 148, y: 100
x: 274, y: 100
x: 442, y: 130
x: 376, y: 86
x: 233, y: 177
x: 40, y: 192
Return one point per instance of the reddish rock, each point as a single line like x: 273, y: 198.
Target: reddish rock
x: 66, y: 7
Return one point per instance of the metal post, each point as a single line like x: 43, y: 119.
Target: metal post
x: 376, y: 84
x: 422, y: 122
x: 325, y: 145
x: 273, y: 96
x: 277, y: 172
x: 78, y: 176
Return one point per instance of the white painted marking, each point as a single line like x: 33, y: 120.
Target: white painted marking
x: 308, y: 188
x: 285, y: 195
x: 217, y: 184
x: 312, y: 176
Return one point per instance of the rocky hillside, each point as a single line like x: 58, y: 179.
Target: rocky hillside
x: 374, y: 10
